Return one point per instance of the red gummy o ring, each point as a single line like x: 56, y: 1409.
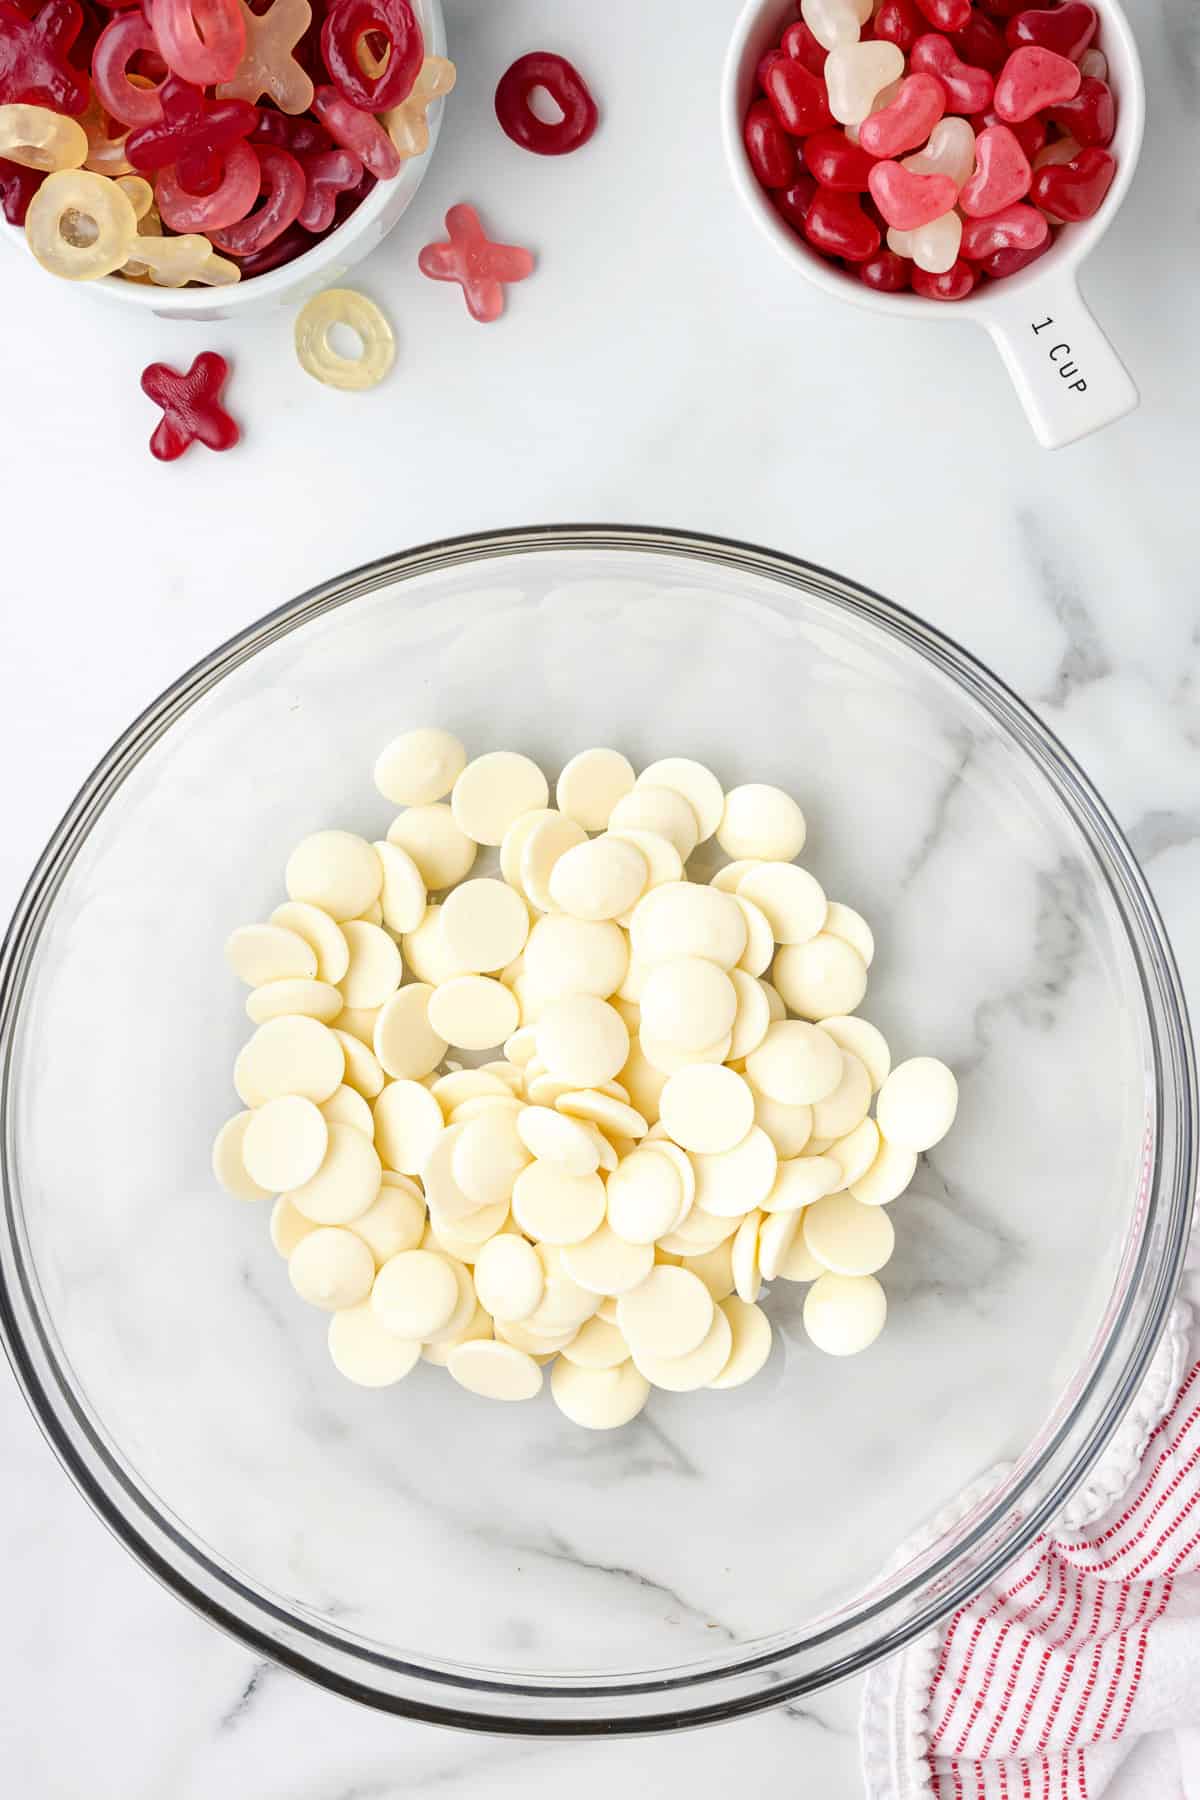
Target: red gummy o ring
x: 565, y: 85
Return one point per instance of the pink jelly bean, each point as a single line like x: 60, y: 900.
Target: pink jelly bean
x: 1032, y: 79
x: 1018, y: 227
x: 283, y: 186
x: 121, y: 40
x: 229, y: 202
x: 919, y: 104
x: 907, y: 200
x: 954, y: 283
x: 966, y: 89
x: 356, y: 130
x: 1002, y: 174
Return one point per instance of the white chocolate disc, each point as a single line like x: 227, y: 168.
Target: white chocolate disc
x: 843, y: 1314
x: 228, y: 1164
x: 795, y: 1063
x: 478, y: 1327
x: 407, y: 1042
x: 730, y: 1184
x: 668, y: 1060
x: 715, y: 1268
x: 495, y: 1371
x: 788, y: 1127
x: 494, y: 790
x: 473, y: 1012
x: 917, y: 1104
x: 682, y: 919
x: 743, y: 1258
x: 331, y: 1268
x: 555, y: 1207
x: 375, y: 966
x: 464, y: 1307
x: 660, y: 810
x: 287, y: 1226
x: 403, y: 896
x: 364, y: 1352
x: 319, y: 931
x: 699, y: 1368
x: 597, y: 1344
x: 644, y: 1082
x: 361, y: 1068
x: 484, y: 925
x: 345, y: 1184
x: 668, y: 1314
x: 359, y: 1022
x: 549, y: 840
x: 600, y: 1107
x: 800, y: 1181
x: 750, y: 1330
x: 576, y: 956
x: 294, y: 997
x: 426, y: 953
x: 848, y: 1237
x: 843, y: 922
x: 598, y: 1399
x: 289, y: 1056
x: 707, y: 1108
x: 793, y: 901
x: 845, y: 1109
x: 285, y: 1144
x: 607, y: 1264
x: 727, y: 878
x: 509, y: 1278
x: 394, y: 1221
x: 488, y: 1156
x: 753, y: 1015
x: 336, y: 871
x: 590, y: 786
x: 552, y: 1136
x: 822, y: 978
x: 760, y: 940
x: 419, y: 766
x: 437, y: 844
x: 887, y: 1177
x: 662, y: 859
x: 407, y: 1122
x: 761, y: 822
x: 415, y: 1294
x: 688, y: 1003
x: 582, y: 1040
x: 259, y: 953
x: 776, y: 1234
x: 855, y: 1152
x: 645, y: 1197
x: 799, y: 1264
x: 699, y: 1233
x: 866, y: 1042
x: 598, y: 879
x: 512, y: 847
x: 698, y: 786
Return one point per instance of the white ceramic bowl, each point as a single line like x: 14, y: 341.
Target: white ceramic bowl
x: 1069, y: 377
x: 323, y: 266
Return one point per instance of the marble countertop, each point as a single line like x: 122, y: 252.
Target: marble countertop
x: 663, y: 367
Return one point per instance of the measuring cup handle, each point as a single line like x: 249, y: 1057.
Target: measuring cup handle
x: 1069, y: 378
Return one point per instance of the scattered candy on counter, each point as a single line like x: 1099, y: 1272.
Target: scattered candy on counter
x: 479, y: 266
x: 191, y: 407
x: 342, y: 306
x: 961, y: 133
x: 654, y: 1138
x: 565, y: 86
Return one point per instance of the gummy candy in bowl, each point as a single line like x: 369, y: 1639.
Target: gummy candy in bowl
x: 285, y: 275
x: 848, y: 159
x: 432, y: 1553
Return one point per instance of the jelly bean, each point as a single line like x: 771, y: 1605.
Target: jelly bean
x: 797, y: 97
x: 408, y: 124
x: 837, y: 226
x: 317, y: 356
x: 1031, y: 80
x: 41, y: 139
x: 302, y: 137
x: 106, y: 141
x: 967, y: 90
x: 1091, y: 117
x: 80, y: 225
x: 950, y: 151
x: 356, y: 130
x: 1068, y: 28
x: 123, y: 38
x: 933, y: 247
x: 566, y: 87
x: 282, y: 185
x: 1002, y: 174
x: 1002, y: 263
x: 946, y: 15
x: 837, y: 163
x: 954, y: 283
x: 33, y: 56
x: 1094, y: 63
x: 173, y: 262
x: 1019, y: 227
x: 907, y: 200
x: 327, y: 174
x: 792, y: 203
x: 347, y: 24
x: 1060, y: 151
x: 191, y: 406
x: 268, y: 65
x: 834, y: 22
x: 481, y: 267
x: 203, y: 41
x: 887, y: 273
x: 194, y: 133
x: 799, y: 43
x: 981, y: 43
x: 764, y: 65
x: 899, y: 22
x: 855, y: 73
x: 908, y: 121
x: 18, y: 185
x: 771, y: 151
x: 1074, y: 190
x: 228, y: 202
x: 1031, y: 134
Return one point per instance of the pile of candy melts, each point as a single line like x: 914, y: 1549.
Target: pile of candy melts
x: 933, y: 144
x: 670, y: 1103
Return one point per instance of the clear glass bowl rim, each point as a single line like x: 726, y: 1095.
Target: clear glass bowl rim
x: 744, y: 1682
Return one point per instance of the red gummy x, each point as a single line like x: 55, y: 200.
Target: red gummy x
x: 481, y: 268
x: 33, y: 56
x: 191, y: 404
x: 194, y: 133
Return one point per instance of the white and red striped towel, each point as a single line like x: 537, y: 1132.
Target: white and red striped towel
x: 1077, y: 1674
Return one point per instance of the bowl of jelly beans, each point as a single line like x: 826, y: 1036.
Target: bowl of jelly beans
x: 927, y: 157
x: 207, y: 157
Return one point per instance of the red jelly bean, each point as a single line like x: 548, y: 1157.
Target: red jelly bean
x: 18, y: 185
x: 1091, y: 117
x: 1033, y: 79
x: 837, y: 163
x: 967, y: 90
x: 282, y: 191
x: 797, y: 97
x: 191, y: 406
x: 1002, y: 263
x: 907, y: 199
x: 481, y: 267
x: 33, y: 57
x: 1031, y: 134
x: 981, y: 42
x: 771, y: 151
x: 303, y: 137
x: 565, y: 86
x: 1018, y: 227
x: 955, y: 283
x: 837, y: 226
x: 123, y: 38
x: 1068, y: 29
x: 401, y: 51
x: 799, y: 43
x: 356, y: 130
x: 1074, y: 190
x: 327, y: 174
x: 229, y: 201
x: 1002, y: 174
x: 887, y: 273
x: 201, y: 40
x: 792, y: 203
x: 919, y: 104
x: 194, y: 133
x: 764, y: 64
x: 946, y: 15
x: 899, y: 22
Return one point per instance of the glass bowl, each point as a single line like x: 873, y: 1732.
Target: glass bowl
x: 495, y: 1567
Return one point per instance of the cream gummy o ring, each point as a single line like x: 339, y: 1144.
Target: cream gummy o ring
x: 650, y: 1132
